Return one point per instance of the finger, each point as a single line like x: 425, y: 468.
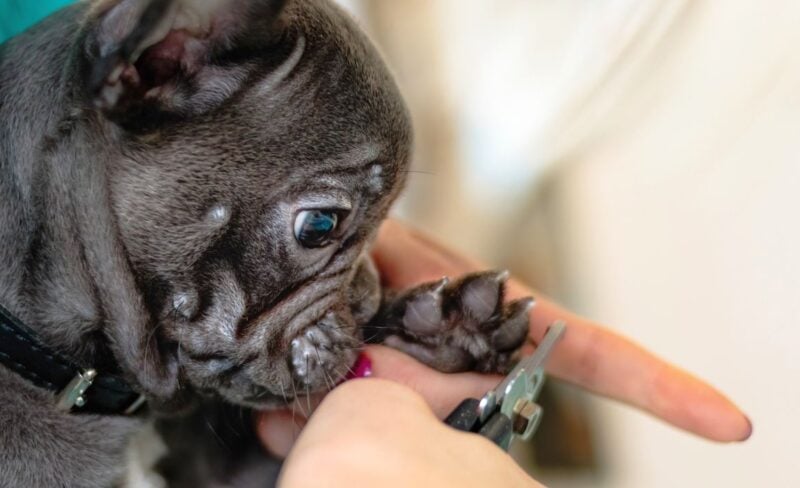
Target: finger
x: 441, y: 391
x: 606, y: 363
x: 278, y: 431
x: 589, y: 355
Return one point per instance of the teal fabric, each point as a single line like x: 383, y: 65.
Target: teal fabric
x: 18, y: 15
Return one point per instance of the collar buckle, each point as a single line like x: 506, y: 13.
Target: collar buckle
x: 72, y: 394
x: 135, y: 405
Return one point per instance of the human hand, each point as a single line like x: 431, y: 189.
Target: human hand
x: 588, y: 355
x: 378, y: 433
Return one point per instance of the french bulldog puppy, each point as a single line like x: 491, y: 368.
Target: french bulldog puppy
x: 188, y: 191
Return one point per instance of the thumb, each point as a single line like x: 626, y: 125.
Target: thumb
x: 278, y: 429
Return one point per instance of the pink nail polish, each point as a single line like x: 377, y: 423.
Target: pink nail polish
x: 361, y: 369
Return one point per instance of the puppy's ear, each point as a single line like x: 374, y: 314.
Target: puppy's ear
x: 145, y: 62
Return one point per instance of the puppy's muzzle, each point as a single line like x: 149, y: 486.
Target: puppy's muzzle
x: 304, y: 342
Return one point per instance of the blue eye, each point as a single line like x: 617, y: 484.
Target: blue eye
x: 314, y: 228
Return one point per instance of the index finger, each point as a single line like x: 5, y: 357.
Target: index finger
x: 589, y: 355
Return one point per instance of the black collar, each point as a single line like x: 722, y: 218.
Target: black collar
x: 77, y: 389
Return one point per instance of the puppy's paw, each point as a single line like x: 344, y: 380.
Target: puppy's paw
x: 459, y: 326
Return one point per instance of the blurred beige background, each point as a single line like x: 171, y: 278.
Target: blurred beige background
x: 639, y: 160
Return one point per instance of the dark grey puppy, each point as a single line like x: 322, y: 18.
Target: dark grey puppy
x: 187, y: 193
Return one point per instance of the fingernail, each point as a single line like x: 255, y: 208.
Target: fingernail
x: 749, y: 430
x: 361, y: 369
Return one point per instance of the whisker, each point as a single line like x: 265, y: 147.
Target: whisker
x: 180, y: 349
x: 241, y: 420
x: 334, y: 377
x: 340, y: 374
x: 351, y: 348
x: 147, y: 341
x: 322, y: 368
x: 283, y: 394
x: 308, y: 395
x: 349, y: 370
x: 297, y: 404
x: 372, y: 339
x: 213, y: 431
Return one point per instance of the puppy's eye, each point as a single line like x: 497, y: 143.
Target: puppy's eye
x: 315, y: 228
